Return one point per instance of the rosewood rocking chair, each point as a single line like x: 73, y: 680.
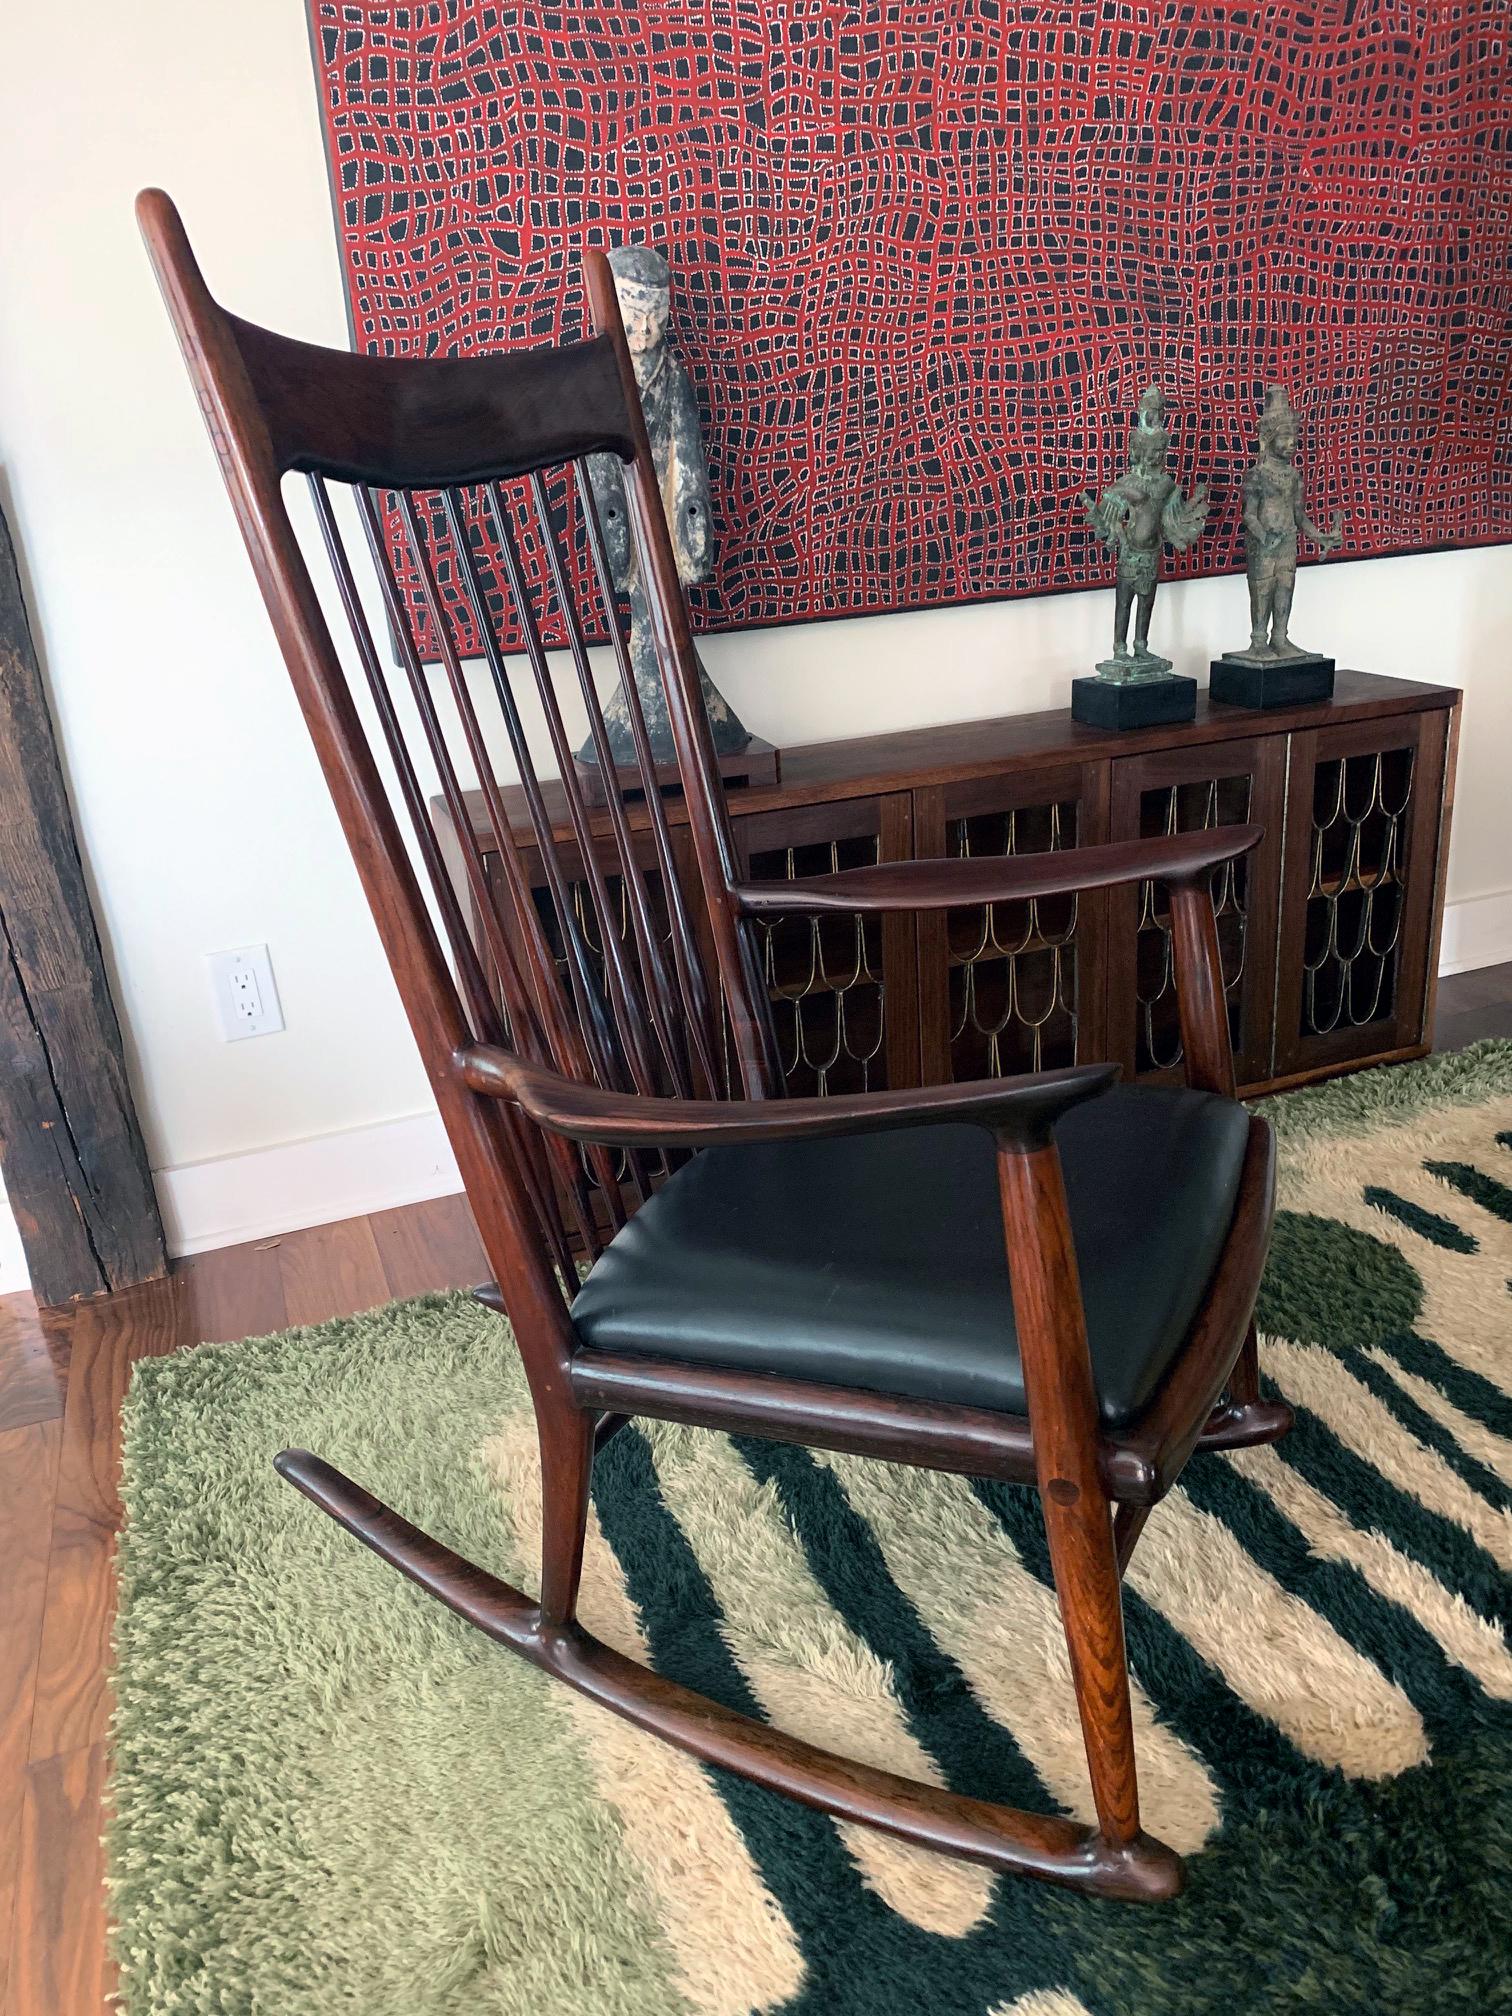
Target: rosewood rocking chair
x: 981, y: 1311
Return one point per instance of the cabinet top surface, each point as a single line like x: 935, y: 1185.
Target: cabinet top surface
x: 908, y: 758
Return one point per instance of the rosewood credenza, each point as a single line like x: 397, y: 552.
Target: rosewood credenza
x: 1329, y: 929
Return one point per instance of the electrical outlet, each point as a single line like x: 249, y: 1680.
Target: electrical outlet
x: 246, y: 994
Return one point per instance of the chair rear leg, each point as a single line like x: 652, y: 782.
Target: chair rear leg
x: 1128, y: 1524
x: 1243, y: 1417
x: 1244, y: 1380
x: 567, y: 1435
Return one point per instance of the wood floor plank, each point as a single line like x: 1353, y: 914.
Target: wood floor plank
x: 110, y: 1334
x: 1471, y: 1025
x: 331, y: 1270
x: 1482, y: 987
x: 429, y: 1246
x: 28, y: 1481
x: 234, y: 1292
x: 33, y: 1361
x: 59, y: 1966
x: 1473, y: 1005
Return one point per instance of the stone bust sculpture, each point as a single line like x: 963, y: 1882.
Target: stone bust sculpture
x: 1274, y: 515
x: 1135, y: 517
x: 643, y: 284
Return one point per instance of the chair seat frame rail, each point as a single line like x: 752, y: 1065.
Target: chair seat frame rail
x: 574, y: 1071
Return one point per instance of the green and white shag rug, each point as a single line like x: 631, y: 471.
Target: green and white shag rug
x: 332, y: 1796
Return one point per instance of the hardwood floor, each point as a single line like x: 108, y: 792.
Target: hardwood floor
x: 62, y: 1378
x: 1472, y: 1005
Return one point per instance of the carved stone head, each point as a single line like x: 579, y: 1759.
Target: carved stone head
x: 1148, y: 437
x: 1278, y: 424
x: 643, y: 284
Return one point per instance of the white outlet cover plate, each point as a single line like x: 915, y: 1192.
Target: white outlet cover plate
x: 246, y: 994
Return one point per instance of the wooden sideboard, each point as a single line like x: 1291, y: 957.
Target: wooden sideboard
x: 1329, y: 930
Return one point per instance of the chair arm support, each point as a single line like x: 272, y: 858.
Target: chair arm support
x: 1201, y: 1003
x: 1174, y: 858
x: 1021, y: 1111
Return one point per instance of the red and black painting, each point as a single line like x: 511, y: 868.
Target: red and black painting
x: 926, y: 254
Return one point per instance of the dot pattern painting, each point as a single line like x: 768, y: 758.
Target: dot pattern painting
x: 926, y: 254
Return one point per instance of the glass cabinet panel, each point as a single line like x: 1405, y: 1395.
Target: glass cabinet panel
x: 824, y: 975
x: 1012, y: 986
x: 1012, y: 966
x: 841, y: 988
x: 1357, y: 862
x: 1366, y: 805
x: 1186, y: 791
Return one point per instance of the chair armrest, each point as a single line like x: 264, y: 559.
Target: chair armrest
x: 1021, y: 1111
x: 943, y: 884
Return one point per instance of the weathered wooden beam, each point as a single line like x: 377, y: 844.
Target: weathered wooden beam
x: 72, y: 1154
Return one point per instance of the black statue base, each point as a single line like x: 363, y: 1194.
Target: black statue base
x: 758, y: 763
x: 1133, y: 703
x: 1270, y: 682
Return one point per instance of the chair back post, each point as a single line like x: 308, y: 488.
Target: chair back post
x: 1201, y: 1002
x: 713, y: 843
x: 478, y: 1129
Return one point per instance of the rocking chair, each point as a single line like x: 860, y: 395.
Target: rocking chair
x: 1047, y: 1280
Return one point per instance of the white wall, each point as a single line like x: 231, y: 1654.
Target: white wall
x: 202, y: 816
x: 13, y: 1274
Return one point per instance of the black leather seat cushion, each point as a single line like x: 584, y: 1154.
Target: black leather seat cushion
x: 877, y: 1261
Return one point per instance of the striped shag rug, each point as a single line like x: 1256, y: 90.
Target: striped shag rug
x: 331, y: 1796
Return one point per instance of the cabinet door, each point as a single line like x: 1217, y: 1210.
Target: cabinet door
x: 1009, y: 987
x: 843, y: 989
x: 1365, y: 801
x: 1182, y: 791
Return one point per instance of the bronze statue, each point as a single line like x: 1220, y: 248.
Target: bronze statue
x: 1136, y: 516
x: 1274, y: 514
x: 642, y: 282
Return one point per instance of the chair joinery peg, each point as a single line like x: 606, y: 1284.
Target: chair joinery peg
x: 1084, y: 1256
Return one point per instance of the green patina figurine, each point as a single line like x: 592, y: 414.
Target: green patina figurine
x: 1143, y: 511
x: 1274, y: 515
x: 642, y: 282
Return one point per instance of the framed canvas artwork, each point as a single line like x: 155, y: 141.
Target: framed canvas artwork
x: 927, y: 254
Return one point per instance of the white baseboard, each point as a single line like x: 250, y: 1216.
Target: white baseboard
x: 299, y: 1183
x: 333, y: 1176
x: 1477, y: 932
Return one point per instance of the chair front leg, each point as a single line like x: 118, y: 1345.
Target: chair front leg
x: 1078, y: 1517
x: 567, y: 1436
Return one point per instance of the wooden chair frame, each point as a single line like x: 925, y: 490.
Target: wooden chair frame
x: 559, y: 1095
